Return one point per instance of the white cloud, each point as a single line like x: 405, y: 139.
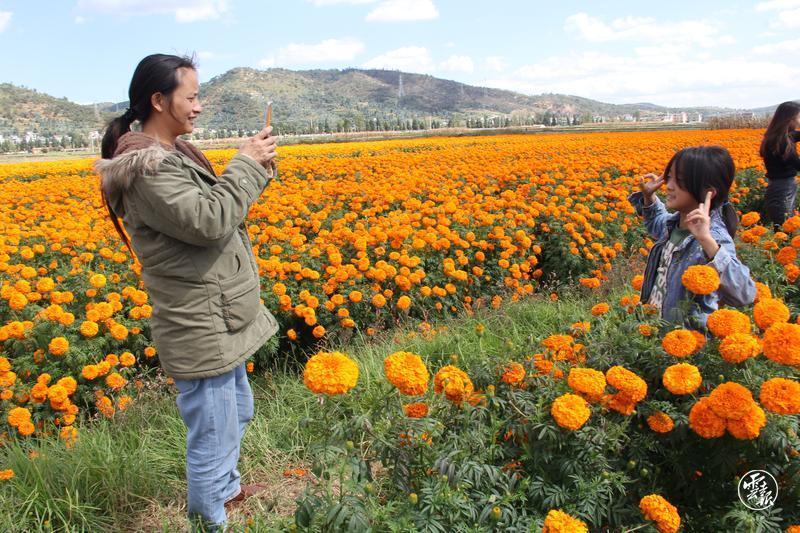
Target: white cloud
x: 407, y: 58
x: 80, y: 20
x: 645, y: 30
x: 205, y: 54
x: 337, y: 50
x: 777, y: 5
x: 184, y: 11
x: 403, y: 11
x: 5, y: 18
x: 456, y: 63
x: 784, y: 47
x: 788, y: 19
x: 678, y: 79
x: 496, y: 63
x: 788, y: 16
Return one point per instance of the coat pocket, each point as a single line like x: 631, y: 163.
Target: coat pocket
x: 241, y: 298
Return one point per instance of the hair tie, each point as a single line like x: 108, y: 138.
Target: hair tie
x: 129, y: 115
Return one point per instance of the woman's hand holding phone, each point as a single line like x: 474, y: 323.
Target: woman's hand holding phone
x: 262, y: 147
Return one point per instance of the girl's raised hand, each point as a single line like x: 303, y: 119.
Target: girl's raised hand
x: 649, y: 184
x: 698, y: 222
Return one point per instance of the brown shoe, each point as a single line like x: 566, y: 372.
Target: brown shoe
x: 245, y: 491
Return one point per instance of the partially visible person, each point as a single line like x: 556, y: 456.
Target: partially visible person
x: 699, y: 231
x: 779, y: 151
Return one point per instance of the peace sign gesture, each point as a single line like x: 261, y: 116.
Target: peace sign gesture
x: 698, y: 222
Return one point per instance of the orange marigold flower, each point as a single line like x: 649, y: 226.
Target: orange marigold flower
x: 89, y: 372
x: 762, y: 292
x: 403, y: 303
x: 724, y: 322
x: 730, y: 400
x: 330, y: 373
x: 454, y: 382
x: 378, y: 300
x: 416, y: 410
x: 355, y: 296
x: 749, y: 426
x: 700, y: 279
x: 127, y: 359
x: 570, y: 411
x: 704, y: 421
x: 591, y: 283
x: 787, y: 255
x: 119, y: 332
x: 739, y: 347
x: 660, y: 422
x: 558, y: 521
x: 115, y: 381
x: 682, y: 378
x: 318, y: 332
x: 679, y: 342
x: 646, y: 330
x: 69, y: 384
x: 600, y: 309
x: 782, y: 343
x: 770, y: 311
x: 791, y: 224
x: 7, y: 474
x: 513, y: 374
x: 149, y: 352
x: 748, y: 219
x: 17, y: 415
x: 637, y: 282
x: 781, y: 396
x: 89, y: 328
x: 660, y: 511
x: 58, y: 346
x: 97, y: 281
x: 627, y: 382
x: 580, y: 328
x: 588, y: 382
x: 407, y: 372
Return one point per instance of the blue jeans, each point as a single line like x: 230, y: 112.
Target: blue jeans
x: 216, y: 411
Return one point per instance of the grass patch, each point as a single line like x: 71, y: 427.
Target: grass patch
x: 128, y: 473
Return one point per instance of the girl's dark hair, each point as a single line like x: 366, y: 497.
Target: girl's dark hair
x: 776, y: 139
x: 700, y: 168
x: 157, y: 73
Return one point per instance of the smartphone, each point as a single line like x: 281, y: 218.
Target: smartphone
x: 268, y: 118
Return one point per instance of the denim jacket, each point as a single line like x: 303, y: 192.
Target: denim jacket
x: 736, y: 288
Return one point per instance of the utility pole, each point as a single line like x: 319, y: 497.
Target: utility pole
x: 400, y: 87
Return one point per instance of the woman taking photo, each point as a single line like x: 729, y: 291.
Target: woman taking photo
x: 779, y: 151
x: 186, y: 228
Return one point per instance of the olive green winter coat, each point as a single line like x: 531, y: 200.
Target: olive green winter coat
x: 187, y: 229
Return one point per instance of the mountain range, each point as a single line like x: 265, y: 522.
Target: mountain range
x: 327, y: 100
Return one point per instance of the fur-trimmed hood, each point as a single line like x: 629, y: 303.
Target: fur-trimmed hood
x: 138, y: 155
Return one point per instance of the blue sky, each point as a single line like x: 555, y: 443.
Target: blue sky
x: 727, y: 53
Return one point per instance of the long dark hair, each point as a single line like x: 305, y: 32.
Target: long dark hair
x: 776, y: 139
x: 156, y: 73
x: 700, y: 168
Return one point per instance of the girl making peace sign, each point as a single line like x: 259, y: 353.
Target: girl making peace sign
x: 699, y: 231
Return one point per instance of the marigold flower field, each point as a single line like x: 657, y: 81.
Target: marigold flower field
x: 358, y: 237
